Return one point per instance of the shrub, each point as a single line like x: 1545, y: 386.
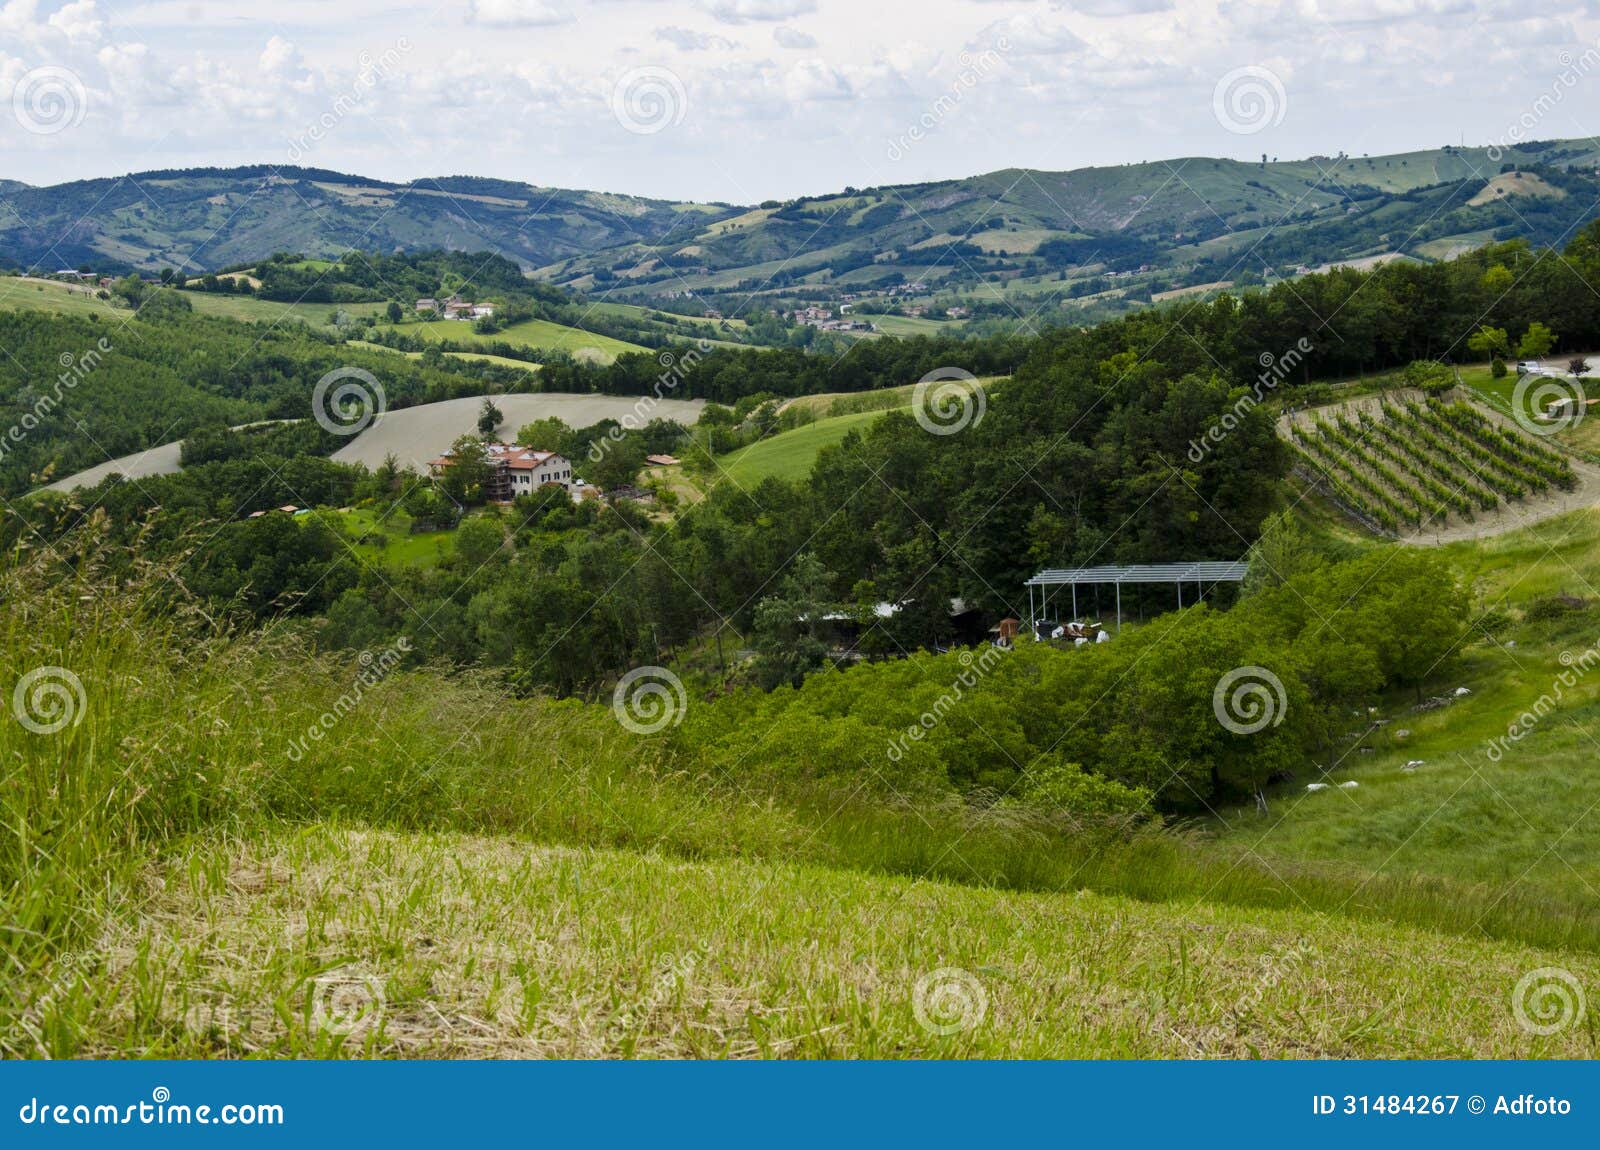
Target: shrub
x: 1551, y: 607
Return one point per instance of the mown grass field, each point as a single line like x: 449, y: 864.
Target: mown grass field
x: 790, y: 454
x: 17, y: 292
x: 535, y: 333
x: 448, y: 945
x: 907, y: 324
x: 387, y: 540
x: 470, y: 356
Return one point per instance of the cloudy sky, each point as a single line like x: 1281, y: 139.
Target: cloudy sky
x: 743, y: 100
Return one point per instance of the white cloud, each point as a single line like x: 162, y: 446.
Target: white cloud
x: 793, y: 38
x: 771, y: 11
x: 692, y: 41
x: 79, y: 21
x: 521, y: 88
x: 520, y: 13
x: 816, y: 80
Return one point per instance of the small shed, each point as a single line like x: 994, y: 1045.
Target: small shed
x: 1046, y: 584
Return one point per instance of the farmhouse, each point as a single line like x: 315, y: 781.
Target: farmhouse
x: 514, y: 470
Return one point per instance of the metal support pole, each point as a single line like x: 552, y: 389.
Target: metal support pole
x: 1119, y: 606
x: 1074, y: 602
x: 1180, y: 594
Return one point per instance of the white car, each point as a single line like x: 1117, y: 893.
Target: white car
x: 1529, y: 367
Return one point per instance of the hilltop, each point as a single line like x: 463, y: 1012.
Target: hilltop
x: 1007, y: 245
x: 205, y: 219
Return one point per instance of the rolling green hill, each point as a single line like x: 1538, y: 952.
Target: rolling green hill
x: 1056, y: 236
x: 1101, y: 238
x: 790, y: 454
x: 533, y: 333
x: 203, y: 219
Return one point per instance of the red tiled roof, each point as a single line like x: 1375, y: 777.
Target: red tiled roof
x: 509, y: 454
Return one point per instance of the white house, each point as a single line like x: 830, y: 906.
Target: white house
x: 514, y: 470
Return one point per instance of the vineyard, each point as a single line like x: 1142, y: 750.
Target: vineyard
x: 1401, y: 465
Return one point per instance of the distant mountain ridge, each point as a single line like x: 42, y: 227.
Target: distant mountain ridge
x: 1140, y: 229
x: 207, y: 218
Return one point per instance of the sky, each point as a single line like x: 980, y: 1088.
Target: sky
x: 745, y: 100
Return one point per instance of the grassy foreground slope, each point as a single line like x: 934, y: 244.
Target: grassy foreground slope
x: 469, y: 946
x: 203, y: 880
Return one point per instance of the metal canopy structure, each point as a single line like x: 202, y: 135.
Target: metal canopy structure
x: 1199, y: 573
